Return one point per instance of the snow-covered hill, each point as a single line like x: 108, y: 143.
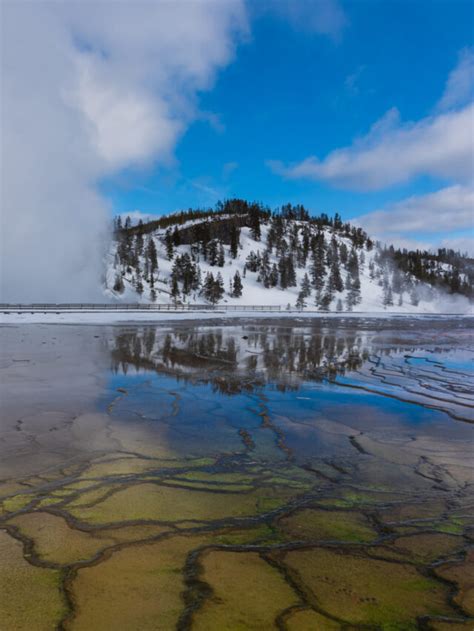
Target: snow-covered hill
x: 279, y: 261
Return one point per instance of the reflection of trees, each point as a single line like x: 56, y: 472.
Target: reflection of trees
x: 236, y: 360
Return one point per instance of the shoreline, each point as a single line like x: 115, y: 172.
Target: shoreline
x: 140, y: 317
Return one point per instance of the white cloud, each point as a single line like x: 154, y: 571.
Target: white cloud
x: 88, y: 89
x: 448, y: 209
x: 324, y: 17
x: 459, y: 88
x: 437, y: 214
x: 463, y: 244
x: 393, y: 153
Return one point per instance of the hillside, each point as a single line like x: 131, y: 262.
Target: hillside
x: 242, y: 253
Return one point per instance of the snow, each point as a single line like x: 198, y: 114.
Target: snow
x: 254, y: 293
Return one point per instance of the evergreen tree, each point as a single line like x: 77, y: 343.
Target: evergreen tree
x: 174, y: 288
x: 138, y: 244
x: 264, y: 270
x: 138, y: 283
x: 221, y: 256
x: 152, y: 256
x: 218, y: 288
x: 273, y: 278
x: 353, y: 281
x: 208, y: 285
x: 169, y: 244
x: 213, y: 288
x: 176, y: 237
x: 254, y: 220
x: 253, y: 261
x: 371, y: 270
x: 318, y: 268
x: 212, y: 252
x: 119, y: 286
x: 290, y: 271
x: 343, y: 253
x: 300, y: 301
x: 325, y: 298
x: 234, y: 241
x: 305, y: 286
x: 304, y: 249
x: 237, y: 286
x: 335, y: 279
x: 387, y: 295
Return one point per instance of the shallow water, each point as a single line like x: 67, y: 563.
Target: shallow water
x: 279, y: 475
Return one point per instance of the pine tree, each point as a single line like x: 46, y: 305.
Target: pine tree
x: 300, y: 301
x: 335, y: 279
x: 218, y: 288
x: 174, y: 288
x: 343, y: 253
x: 290, y: 272
x: 138, y: 245
x: 221, y: 256
x: 152, y: 255
x: 325, y: 299
x: 353, y: 281
x: 254, y: 220
x: 387, y: 295
x: 119, y: 286
x: 212, y: 252
x: 283, y: 272
x: 252, y: 261
x: 273, y: 278
x: 138, y: 283
x: 208, y: 286
x: 169, y: 244
x: 234, y: 241
x: 237, y: 286
x: 306, y: 286
x: 371, y: 270
x: 318, y: 268
x: 176, y: 237
x: 264, y: 272
x: 339, y: 305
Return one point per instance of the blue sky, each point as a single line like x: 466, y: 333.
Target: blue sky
x: 291, y: 92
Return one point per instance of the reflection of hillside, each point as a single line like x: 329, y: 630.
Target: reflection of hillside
x: 236, y: 360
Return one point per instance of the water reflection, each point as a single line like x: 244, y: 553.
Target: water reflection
x: 248, y: 356
x: 434, y: 372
